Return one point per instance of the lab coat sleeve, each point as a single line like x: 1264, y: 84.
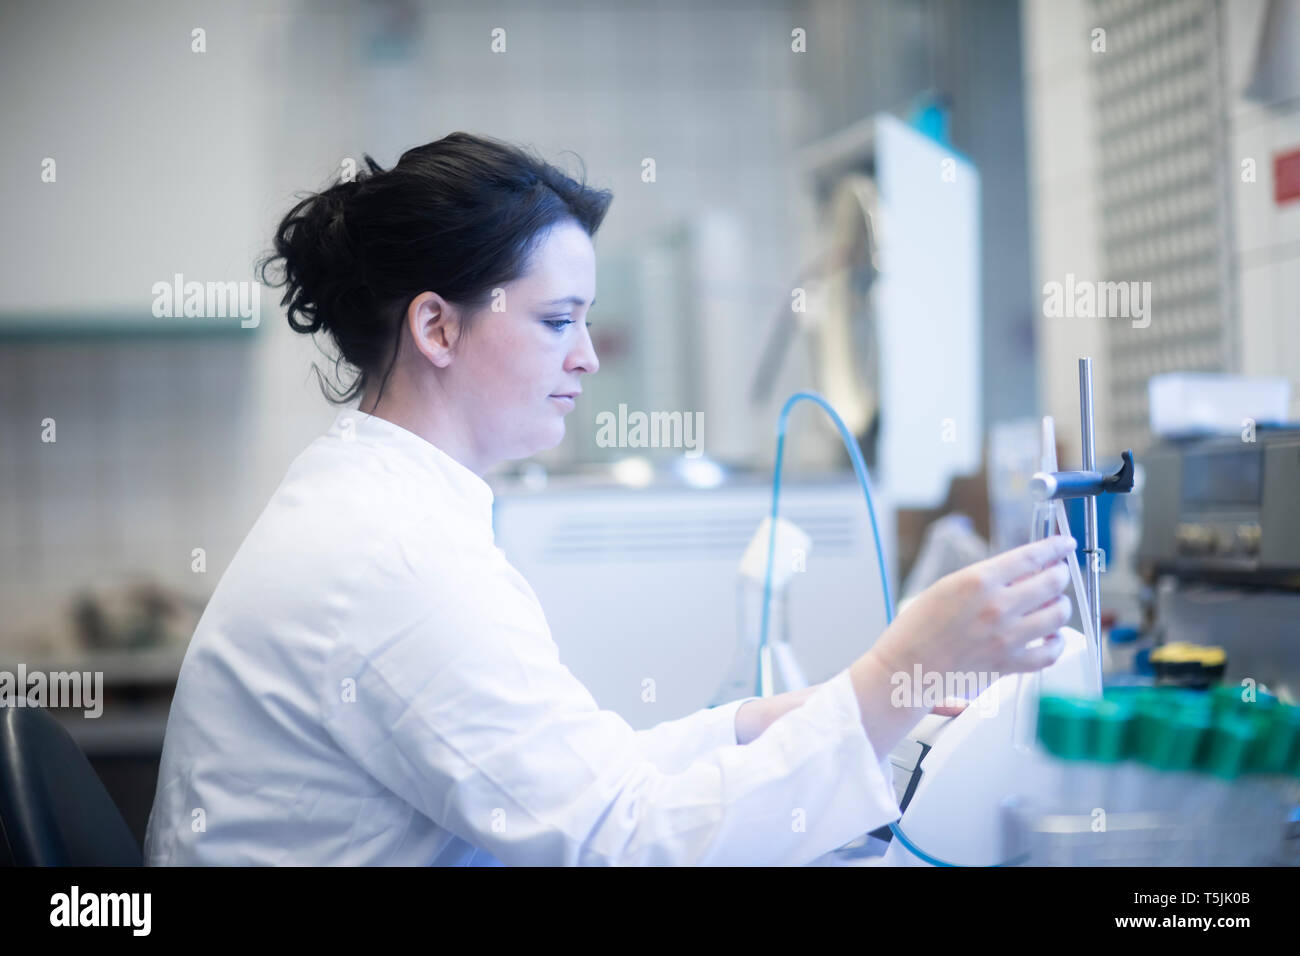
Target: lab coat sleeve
x: 673, y: 745
x: 460, y: 705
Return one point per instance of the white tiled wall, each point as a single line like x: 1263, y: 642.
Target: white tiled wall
x: 151, y: 459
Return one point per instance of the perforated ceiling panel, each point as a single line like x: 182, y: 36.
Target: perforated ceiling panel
x: 1164, y: 217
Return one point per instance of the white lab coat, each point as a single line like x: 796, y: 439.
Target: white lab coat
x: 373, y: 683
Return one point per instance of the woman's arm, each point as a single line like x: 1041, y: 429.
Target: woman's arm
x: 979, y: 614
x: 755, y: 716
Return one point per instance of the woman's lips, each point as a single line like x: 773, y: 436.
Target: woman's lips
x: 564, y: 400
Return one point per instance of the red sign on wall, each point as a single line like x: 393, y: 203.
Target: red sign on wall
x: 1286, y: 176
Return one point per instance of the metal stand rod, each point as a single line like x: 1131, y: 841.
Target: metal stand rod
x: 1092, y: 579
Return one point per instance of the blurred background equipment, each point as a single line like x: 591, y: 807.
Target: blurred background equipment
x: 1221, y: 544
x: 1161, y: 777
x: 754, y: 664
x: 1229, y: 510
x: 1186, y: 404
x: 897, y: 204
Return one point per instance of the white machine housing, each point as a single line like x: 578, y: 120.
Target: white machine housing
x: 640, y: 586
x: 980, y: 758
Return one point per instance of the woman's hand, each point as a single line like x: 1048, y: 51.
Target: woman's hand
x: 980, y: 619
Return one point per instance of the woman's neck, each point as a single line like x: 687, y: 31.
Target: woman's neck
x: 430, y: 418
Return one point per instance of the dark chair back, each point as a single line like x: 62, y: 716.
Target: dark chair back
x: 54, y: 810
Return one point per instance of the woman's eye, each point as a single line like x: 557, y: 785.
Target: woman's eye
x: 558, y: 324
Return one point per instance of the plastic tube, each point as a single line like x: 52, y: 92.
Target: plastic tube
x: 1085, y: 612
x: 1029, y: 688
x: 763, y: 678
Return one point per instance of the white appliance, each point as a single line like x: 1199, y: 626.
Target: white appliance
x: 901, y: 331
x: 977, y: 760
x: 642, y: 585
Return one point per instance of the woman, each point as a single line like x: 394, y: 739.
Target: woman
x: 372, y: 683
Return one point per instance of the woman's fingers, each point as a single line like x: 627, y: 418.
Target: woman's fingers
x: 1028, y: 559
x: 1040, y: 623
x: 1035, y: 658
x: 1037, y: 589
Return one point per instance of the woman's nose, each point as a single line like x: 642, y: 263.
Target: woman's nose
x: 584, y: 356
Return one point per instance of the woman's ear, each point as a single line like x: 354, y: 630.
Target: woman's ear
x: 435, y: 327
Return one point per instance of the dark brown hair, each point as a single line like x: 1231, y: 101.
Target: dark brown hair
x: 460, y: 217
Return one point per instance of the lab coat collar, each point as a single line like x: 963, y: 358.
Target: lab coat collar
x: 473, y: 491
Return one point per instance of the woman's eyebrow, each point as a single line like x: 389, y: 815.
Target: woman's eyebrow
x: 569, y: 300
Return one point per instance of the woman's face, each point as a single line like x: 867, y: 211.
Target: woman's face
x: 518, y: 371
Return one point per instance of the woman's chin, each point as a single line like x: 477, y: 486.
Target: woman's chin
x: 548, y: 437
